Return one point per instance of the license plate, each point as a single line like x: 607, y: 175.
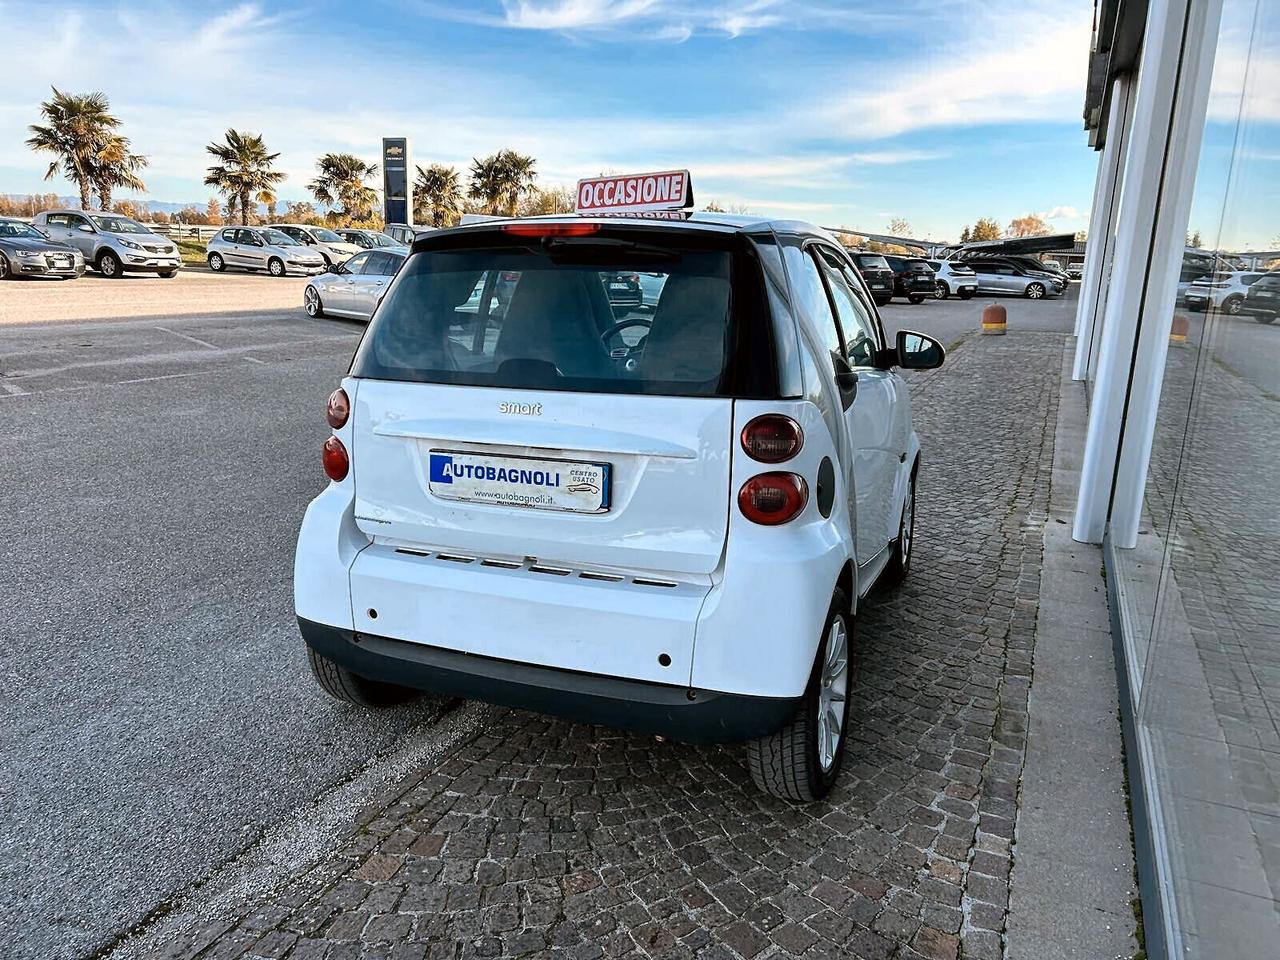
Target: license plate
x: 566, y: 485
x: 618, y: 286
x: 880, y: 286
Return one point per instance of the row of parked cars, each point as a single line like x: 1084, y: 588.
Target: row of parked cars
x: 1254, y: 293
x: 915, y: 279
x: 63, y: 243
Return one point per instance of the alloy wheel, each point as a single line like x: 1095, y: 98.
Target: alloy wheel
x: 907, y: 532
x: 940, y: 291
x: 275, y: 268
x: 1035, y: 291
x: 311, y: 301
x: 833, y: 691
x: 4, y: 268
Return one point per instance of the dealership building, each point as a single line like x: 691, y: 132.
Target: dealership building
x: 1180, y: 471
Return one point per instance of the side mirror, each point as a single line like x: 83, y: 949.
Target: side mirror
x: 916, y: 351
x: 339, y: 268
x: 85, y: 228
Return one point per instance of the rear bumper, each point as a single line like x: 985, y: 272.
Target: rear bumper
x: 686, y: 714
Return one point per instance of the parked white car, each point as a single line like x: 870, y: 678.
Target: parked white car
x: 953, y: 277
x: 261, y: 248
x: 1224, y: 290
x: 541, y: 505
x: 333, y: 248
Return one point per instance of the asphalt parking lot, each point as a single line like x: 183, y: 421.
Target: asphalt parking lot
x: 161, y: 729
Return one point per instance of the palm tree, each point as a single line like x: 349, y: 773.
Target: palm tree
x: 76, y: 128
x: 244, y: 173
x: 437, y: 195
x: 115, y: 166
x: 501, y: 180
x: 342, y: 183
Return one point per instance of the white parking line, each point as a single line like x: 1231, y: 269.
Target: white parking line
x: 184, y: 336
x: 12, y: 389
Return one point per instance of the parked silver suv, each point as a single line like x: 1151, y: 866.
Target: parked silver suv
x: 111, y: 243
x: 261, y: 248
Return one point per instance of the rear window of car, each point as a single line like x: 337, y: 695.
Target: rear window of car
x: 916, y: 265
x: 871, y: 261
x: 495, y: 310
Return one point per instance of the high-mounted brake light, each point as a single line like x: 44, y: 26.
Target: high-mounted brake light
x: 772, y: 438
x: 773, y: 498
x: 334, y: 457
x: 339, y: 408
x: 551, y: 229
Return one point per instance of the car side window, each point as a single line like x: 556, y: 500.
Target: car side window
x: 812, y: 293
x: 377, y: 265
x: 859, y: 332
x: 57, y: 220
x: 356, y: 264
x: 75, y: 222
x: 229, y: 235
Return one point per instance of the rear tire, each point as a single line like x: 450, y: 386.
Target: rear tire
x: 792, y: 764
x: 899, y: 565
x: 1233, y: 305
x: 941, y: 291
x: 883, y: 301
x: 341, y: 684
x: 275, y: 267
x: 966, y: 293
x: 109, y: 265
x: 916, y: 298
x: 1258, y: 317
x: 168, y: 274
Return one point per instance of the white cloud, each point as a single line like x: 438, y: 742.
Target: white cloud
x: 1060, y: 213
x: 571, y: 14
x: 998, y: 65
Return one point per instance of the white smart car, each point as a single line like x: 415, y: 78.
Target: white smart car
x: 663, y: 521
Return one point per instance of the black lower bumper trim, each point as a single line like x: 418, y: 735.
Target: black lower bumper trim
x: 681, y: 713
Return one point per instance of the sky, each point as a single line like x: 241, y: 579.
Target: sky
x: 842, y: 113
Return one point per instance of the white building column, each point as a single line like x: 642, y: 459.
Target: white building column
x: 1177, y: 66
x: 1102, y: 229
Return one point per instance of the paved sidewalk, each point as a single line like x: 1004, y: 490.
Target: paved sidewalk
x: 540, y: 837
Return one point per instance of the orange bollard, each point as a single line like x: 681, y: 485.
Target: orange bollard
x: 1181, y: 327
x: 994, y: 319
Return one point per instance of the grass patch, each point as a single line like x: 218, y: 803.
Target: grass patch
x: 191, y: 251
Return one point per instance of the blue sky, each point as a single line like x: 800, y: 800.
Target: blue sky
x: 936, y: 111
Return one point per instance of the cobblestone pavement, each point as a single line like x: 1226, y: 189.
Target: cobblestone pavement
x: 539, y: 837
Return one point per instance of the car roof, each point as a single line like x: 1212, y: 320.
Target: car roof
x: 695, y: 220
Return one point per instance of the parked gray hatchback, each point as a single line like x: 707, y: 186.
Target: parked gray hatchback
x: 26, y: 252
x: 111, y: 243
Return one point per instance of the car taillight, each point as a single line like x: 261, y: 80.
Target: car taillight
x: 773, y: 498
x: 339, y: 408
x: 551, y: 229
x: 334, y: 457
x: 772, y: 438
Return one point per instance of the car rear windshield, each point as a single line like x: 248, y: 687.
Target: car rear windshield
x: 918, y: 266
x: 872, y: 262
x: 646, y: 311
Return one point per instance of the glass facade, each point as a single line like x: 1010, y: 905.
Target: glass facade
x: 1198, y: 598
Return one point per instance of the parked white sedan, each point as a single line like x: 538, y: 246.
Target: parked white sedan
x: 353, y: 289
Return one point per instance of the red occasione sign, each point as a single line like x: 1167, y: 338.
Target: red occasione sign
x: 668, y: 190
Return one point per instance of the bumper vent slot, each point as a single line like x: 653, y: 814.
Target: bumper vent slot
x: 606, y: 577
x: 455, y: 558
x: 412, y: 553
x: 503, y: 564
x: 648, y: 582
x: 553, y: 571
